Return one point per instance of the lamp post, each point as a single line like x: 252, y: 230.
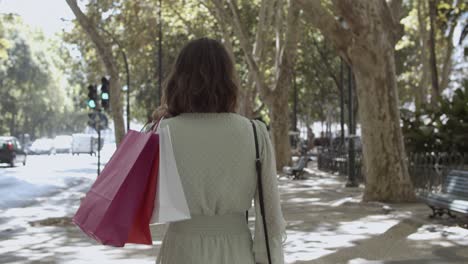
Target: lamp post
x: 295, y: 101
x: 352, y: 132
x: 351, y: 126
x: 342, y: 102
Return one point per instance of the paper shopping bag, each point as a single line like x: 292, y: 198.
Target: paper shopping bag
x: 170, y: 204
x: 110, y: 208
x: 140, y: 232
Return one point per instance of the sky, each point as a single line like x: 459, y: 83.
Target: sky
x: 43, y: 14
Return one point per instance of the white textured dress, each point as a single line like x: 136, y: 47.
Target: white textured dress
x: 215, y: 157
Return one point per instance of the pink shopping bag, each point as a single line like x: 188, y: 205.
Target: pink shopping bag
x: 140, y: 232
x: 110, y: 208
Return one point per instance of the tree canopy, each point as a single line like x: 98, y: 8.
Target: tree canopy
x: 35, y: 96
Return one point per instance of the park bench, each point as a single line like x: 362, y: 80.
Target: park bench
x: 297, y: 171
x: 452, y: 198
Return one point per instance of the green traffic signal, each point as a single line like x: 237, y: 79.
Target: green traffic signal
x: 92, y: 104
x: 105, y: 96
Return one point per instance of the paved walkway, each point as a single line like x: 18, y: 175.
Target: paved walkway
x: 326, y: 224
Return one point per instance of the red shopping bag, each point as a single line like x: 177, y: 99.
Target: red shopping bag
x: 115, y: 211
x: 140, y: 232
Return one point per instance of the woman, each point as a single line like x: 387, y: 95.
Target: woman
x: 215, y: 155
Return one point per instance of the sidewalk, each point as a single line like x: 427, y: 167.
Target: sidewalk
x: 326, y: 224
x: 329, y: 225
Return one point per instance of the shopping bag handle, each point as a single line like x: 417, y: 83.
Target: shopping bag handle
x: 153, y: 125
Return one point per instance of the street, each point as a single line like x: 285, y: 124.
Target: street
x: 45, y: 175
x: 45, y: 187
x: 327, y: 223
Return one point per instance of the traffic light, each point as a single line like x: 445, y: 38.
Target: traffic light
x: 92, y: 96
x: 105, y: 93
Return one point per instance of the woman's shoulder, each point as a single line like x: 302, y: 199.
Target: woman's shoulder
x: 205, y: 117
x: 232, y: 120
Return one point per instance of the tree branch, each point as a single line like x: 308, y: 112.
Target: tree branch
x: 328, y: 67
x: 218, y: 15
x: 240, y: 33
x: 396, y: 9
x: 391, y: 14
x: 103, y: 50
x: 187, y: 23
x: 316, y: 14
x: 288, y: 51
x: 260, y: 36
x: 278, y: 35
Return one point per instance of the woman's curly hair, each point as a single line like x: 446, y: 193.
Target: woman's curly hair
x: 202, y: 79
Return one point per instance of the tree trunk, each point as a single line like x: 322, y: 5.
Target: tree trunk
x: 279, y: 101
x: 385, y: 160
x: 434, y: 77
x: 447, y: 63
x: 105, y: 52
x: 279, y: 114
x: 247, y: 98
x: 421, y: 92
x: 367, y: 42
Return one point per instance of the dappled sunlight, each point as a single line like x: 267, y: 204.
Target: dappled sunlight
x: 367, y: 226
x: 328, y: 223
x: 326, y: 238
x: 364, y: 261
x: 442, y: 235
x: 51, y: 244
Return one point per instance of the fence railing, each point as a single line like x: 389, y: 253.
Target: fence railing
x: 427, y: 170
x: 336, y: 160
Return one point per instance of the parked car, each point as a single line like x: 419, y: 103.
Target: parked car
x: 63, y: 144
x: 11, y: 151
x: 85, y: 143
x: 42, y: 146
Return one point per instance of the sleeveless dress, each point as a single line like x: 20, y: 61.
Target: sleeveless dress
x: 215, y: 157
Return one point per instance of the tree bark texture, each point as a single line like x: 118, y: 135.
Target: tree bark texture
x: 278, y: 103
x: 447, y: 62
x: 367, y: 43
x: 434, y: 74
x: 247, y: 98
x: 279, y: 114
x: 422, y: 89
x: 104, y: 50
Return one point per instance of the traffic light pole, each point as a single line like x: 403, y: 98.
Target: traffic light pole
x: 99, y: 152
x: 98, y: 121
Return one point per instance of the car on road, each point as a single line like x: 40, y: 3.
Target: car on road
x: 85, y: 143
x: 11, y: 151
x: 63, y: 144
x: 42, y: 146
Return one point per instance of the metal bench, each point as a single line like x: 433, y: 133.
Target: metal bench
x: 297, y: 171
x: 452, y: 198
